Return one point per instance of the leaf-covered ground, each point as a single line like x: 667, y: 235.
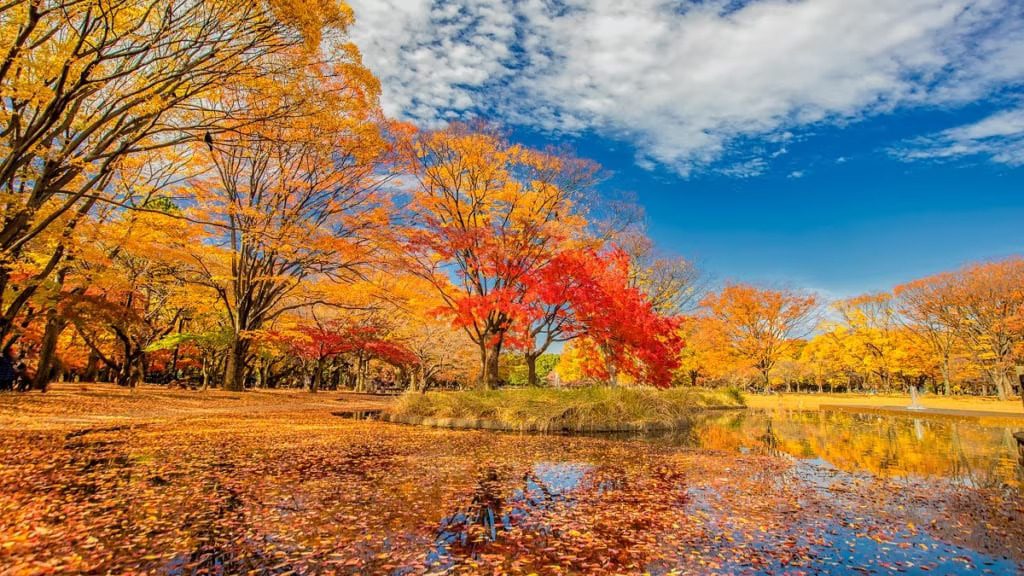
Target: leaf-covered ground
x: 278, y: 484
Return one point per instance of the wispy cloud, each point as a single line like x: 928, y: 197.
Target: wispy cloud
x: 746, y: 169
x: 1000, y: 137
x: 686, y: 82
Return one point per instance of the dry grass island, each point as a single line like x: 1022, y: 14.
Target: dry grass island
x: 590, y: 409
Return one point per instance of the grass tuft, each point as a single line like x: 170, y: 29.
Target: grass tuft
x: 575, y: 409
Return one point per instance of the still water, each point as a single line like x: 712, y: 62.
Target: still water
x: 963, y: 451
x: 742, y: 492
x: 869, y: 493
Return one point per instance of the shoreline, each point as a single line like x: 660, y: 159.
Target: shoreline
x: 499, y: 426
x: 926, y: 412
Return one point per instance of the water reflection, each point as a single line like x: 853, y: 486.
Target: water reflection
x: 964, y: 451
x: 533, y: 514
x: 465, y: 533
x: 359, y: 414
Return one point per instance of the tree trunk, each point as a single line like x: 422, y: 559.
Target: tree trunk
x: 491, y: 376
x: 124, y: 371
x: 234, y: 366
x: 491, y: 357
x: 944, y: 368
x: 531, y: 370
x: 694, y: 377
x: 139, y: 368
x: 421, y: 377
x: 314, y: 382
x: 360, y: 374
x: 482, y: 379
x: 489, y: 364
x: 1021, y: 380
x: 48, y: 350
x: 92, y: 366
x: 998, y: 377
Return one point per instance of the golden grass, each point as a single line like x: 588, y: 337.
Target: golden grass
x: 580, y: 409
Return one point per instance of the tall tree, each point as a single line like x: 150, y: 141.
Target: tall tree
x: 989, y: 302
x: 485, y: 214
x: 871, y: 332
x: 85, y: 84
x: 292, y: 198
x: 549, y: 314
x: 125, y: 288
x: 760, y: 325
x: 927, y: 307
x: 623, y: 331
x: 673, y: 285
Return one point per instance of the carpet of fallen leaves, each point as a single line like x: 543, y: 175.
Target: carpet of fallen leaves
x: 105, y: 481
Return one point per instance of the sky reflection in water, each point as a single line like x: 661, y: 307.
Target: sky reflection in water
x: 829, y: 448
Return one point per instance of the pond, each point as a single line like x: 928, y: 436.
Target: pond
x: 760, y: 492
x: 314, y: 493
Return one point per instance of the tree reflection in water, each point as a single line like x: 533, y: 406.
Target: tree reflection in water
x: 466, y: 533
x: 964, y: 451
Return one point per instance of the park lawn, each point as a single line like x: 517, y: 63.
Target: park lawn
x: 598, y: 408
x: 814, y: 401
x: 73, y: 405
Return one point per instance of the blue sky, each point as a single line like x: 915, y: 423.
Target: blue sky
x: 827, y: 144
x: 855, y: 220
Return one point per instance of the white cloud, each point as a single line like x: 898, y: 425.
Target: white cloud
x: 433, y: 58
x: 999, y: 137
x: 686, y: 82
x: 746, y: 169
x: 796, y: 174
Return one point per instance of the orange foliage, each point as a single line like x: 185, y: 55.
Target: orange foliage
x: 758, y: 326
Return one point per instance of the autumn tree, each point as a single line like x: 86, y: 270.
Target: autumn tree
x: 672, y: 284
x: 706, y: 356
x: 623, y: 332
x: 988, y: 299
x: 289, y: 199
x: 486, y: 213
x: 550, y: 303
x: 927, y: 307
x: 825, y: 359
x: 87, y: 84
x: 871, y: 331
x: 441, y: 352
x: 760, y: 325
x: 357, y: 340
x: 125, y: 287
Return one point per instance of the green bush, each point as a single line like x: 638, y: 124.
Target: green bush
x: 515, y: 372
x: 736, y: 394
